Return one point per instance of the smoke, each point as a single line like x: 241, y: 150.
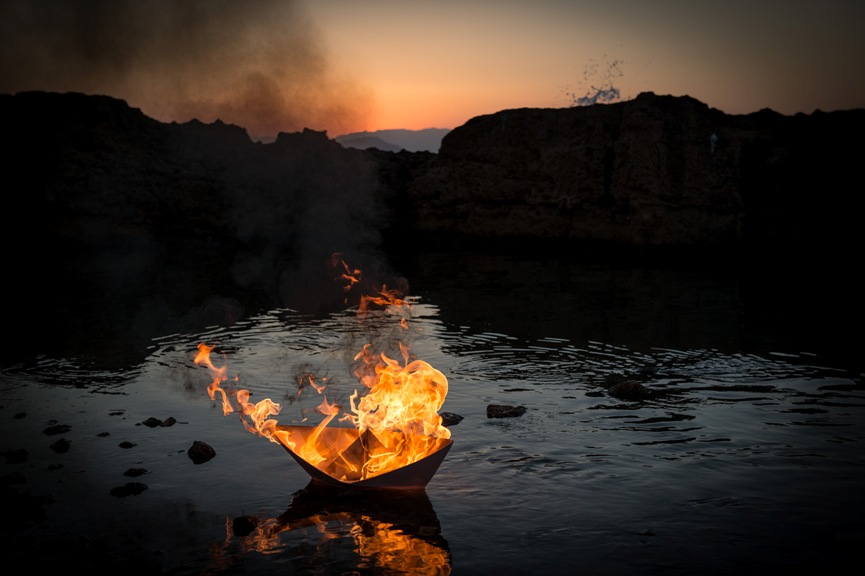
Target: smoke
x: 258, y: 64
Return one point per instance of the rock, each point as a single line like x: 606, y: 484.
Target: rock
x: 135, y: 472
x: 128, y: 489
x: 156, y: 422
x: 201, y: 452
x: 125, y: 205
x: 16, y: 456
x: 504, y: 411
x: 61, y: 446
x: 12, y: 478
x: 655, y: 171
x: 450, y: 419
x: 629, y: 390
x: 244, y: 525
x: 56, y: 429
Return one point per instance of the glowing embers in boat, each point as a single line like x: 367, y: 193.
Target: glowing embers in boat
x: 349, y: 457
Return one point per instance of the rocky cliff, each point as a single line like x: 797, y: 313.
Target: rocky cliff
x: 111, y: 214
x: 656, y: 171
x: 115, y: 219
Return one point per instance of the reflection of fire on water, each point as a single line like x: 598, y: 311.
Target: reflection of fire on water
x: 338, y: 532
x: 394, y: 424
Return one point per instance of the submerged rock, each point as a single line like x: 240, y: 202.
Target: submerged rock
x: 629, y: 390
x: 62, y: 445
x: 504, y: 411
x: 128, y: 489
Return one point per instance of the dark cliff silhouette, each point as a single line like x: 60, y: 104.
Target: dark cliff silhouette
x: 656, y: 171
x: 120, y: 221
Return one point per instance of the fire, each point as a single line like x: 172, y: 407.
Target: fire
x: 394, y: 418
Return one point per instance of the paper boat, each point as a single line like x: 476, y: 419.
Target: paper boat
x: 349, y: 445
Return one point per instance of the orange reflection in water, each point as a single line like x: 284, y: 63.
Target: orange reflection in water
x: 335, y: 530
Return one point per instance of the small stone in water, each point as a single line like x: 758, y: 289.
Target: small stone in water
x: 504, y: 411
x: 128, y: 489
x: 629, y: 390
x: 200, y: 452
x: 56, y: 429
x: 15, y: 456
x: 61, y: 446
x: 450, y: 419
x: 244, y: 525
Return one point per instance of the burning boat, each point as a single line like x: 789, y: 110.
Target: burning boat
x: 351, y: 453
x: 389, y: 436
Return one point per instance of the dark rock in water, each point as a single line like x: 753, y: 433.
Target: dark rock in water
x: 156, y: 422
x: 629, y: 390
x: 135, y: 472
x: 450, y: 419
x: 56, y: 429
x: 62, y: 445
x: 201, y: 452
x: 244, y: 525
x: 15, y: 456
x: 504, y: 411
x: 128, y: 489
x: 21, y: 509
x: 126, y: 444
x: 13, y: 478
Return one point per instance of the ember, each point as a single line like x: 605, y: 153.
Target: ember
x: 396, y: 437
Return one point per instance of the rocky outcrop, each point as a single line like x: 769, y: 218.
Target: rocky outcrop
x: 656, y: 171
x: 142, y: 226
x: 114, y: 215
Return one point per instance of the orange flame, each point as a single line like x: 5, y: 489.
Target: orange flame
x: 348, y: 277
x: 219, y: 376
x: 396, y: 418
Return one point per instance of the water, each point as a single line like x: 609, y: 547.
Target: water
x: 746, y: 456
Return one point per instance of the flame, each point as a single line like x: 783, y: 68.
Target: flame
x: 344, y: 276
x: 395, y: 416
x: 255, y: 417
x: 400, y: 409
x: 219, y: 376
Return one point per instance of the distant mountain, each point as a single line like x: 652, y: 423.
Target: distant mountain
x: 428, y: 140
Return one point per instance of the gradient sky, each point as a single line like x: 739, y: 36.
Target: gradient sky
x: 345, y: 66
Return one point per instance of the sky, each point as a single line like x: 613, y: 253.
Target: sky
x: 345, y: 66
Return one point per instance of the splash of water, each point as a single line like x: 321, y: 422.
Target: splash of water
x: 600, y: 80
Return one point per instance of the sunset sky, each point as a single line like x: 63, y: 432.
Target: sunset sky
x: 346, y: 66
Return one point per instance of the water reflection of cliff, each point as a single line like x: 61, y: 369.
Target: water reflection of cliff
x: 335, y: 530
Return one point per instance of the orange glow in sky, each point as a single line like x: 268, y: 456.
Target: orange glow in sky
x: 346, y: 65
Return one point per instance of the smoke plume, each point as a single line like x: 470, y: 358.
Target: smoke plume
x: 258, y: 64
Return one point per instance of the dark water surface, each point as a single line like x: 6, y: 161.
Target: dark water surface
x: 745, y: 455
